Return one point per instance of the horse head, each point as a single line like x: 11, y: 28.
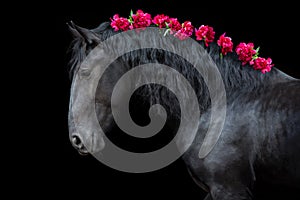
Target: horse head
x: 83, y: 132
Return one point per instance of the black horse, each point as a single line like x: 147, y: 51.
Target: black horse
x: 260, y: 140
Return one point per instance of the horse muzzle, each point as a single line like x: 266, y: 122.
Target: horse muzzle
x: 87, y: 145
x: 77, y: 143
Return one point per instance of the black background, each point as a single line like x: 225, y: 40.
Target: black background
x: 56, y: 168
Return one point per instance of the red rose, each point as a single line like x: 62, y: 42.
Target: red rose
x: 161, y: 20
x: 119, y: 23
x: 186, y: 30
x: 205, y: 33
x: 262, y: 64
x: 225, y: 43
x: 140, y: 20
x: 245, y: 52
x: 174, y: 24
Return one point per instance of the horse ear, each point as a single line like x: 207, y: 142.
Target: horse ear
x: 79, y: 32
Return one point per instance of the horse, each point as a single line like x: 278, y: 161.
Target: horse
x: 260, y: 139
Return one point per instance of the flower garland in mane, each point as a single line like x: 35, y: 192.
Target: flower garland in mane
x: 247, y: 54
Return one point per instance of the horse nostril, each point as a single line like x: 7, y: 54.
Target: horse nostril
x: 77, y: 143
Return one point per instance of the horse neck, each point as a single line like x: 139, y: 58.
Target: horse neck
x: 236, y: 79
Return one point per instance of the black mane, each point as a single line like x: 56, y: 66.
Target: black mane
x: 235, y: 76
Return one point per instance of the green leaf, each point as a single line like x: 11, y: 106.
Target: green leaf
x: 130, y: 20
x: 256, y: 54
x: 257, y: 50
x: 166, y: 32
x: 167, y: 25
x: 130, y: 17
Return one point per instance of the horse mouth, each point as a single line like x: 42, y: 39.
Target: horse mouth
x: 83, y: 152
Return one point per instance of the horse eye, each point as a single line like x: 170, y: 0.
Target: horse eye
x: 85, y: 72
